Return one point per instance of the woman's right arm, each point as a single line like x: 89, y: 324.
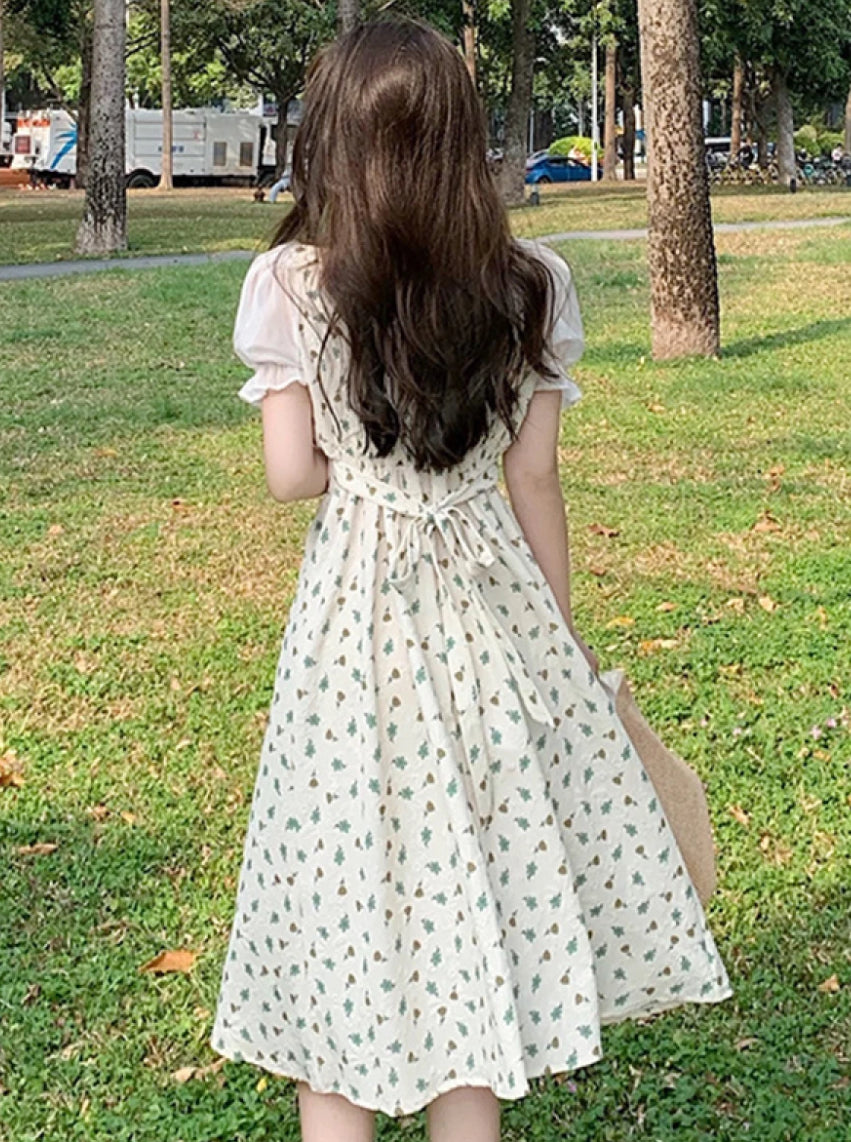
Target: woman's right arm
x: 531, y: 475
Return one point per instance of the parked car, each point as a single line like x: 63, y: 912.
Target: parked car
x: 543, y: 167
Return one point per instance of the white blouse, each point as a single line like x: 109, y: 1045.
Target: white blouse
x: 267, y: 339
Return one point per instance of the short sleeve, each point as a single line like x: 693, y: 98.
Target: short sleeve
x: 567, y: 338
x: 265, y: 335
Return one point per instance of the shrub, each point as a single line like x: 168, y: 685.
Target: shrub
x: 806, y: 139
x: 827, y: 140
x: 570, y: 142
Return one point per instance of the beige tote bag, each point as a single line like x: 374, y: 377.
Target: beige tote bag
x: 678, y: 787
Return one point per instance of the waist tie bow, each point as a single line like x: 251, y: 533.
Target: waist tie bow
x: 472, y: 545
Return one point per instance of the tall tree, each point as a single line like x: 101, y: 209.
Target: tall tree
x: 167, y: 172
x: 104, y: 226
x: 848, y: 123
x: 468, y: 8
x: 610, y: 152
x: 681, y: 249
x: 268, y: 46
x: 348, y: 14
x: 786, y: 165
x: 737, y: 108
x: 168, y: 123
x: 2, y: 75
x: 513, y: 171
x: 800, y: 50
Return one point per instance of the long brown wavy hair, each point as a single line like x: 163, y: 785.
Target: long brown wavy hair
x: 443, y: 311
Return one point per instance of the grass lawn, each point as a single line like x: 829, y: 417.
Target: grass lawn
x: 144, y: 582
x: 40, y: 226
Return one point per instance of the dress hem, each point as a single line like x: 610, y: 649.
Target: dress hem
x: 505, y: 1094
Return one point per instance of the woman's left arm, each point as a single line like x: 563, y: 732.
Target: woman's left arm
x: 295, y: 468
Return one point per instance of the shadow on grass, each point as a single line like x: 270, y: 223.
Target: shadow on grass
x: 785, y: 339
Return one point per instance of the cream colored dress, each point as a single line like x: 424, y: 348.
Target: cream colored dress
x: 456, y: 869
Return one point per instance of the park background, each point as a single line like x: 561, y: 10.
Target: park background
x: 144, y: 584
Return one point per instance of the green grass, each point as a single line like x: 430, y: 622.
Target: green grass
x: 144, y: 580
x: 40, y: 226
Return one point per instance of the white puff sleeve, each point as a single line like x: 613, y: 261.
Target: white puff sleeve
x: 567, y: 337
x: 265, y: 335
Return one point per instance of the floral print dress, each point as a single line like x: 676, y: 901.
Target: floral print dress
x: 456, y: 869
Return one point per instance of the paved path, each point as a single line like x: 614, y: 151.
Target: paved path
x: 719, y: 227
x: 95, y: 265
x: 154, y: 261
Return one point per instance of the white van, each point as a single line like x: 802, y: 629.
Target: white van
x: 212, y: 147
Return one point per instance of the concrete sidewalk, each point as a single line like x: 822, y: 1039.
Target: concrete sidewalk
x: 156, y: 261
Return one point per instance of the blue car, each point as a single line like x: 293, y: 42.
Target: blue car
x: 543, y: 167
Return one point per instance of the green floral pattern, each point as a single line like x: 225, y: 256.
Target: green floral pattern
x: 456, y: 869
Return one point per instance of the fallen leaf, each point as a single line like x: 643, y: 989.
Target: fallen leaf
x: 106, y: 452
x: 739, y: 814
x: 11, y: 770
x: 650, y: 645
x: 656, y: 407
x: 33, y: 992
x: 665, y: 607
x: 39, y: 849
x: 831, y: 984
x: 171, y: 961
x: 620, y: 621
x: 178, y: 504
x: 184, y: 1074
x: 262, y: 1083
x: 597, y: 569
x: 743, y: 1044
x: 128, y: 818
x: 736, y: 604
x: 766, y: 522
x: 773, y: 476
x: 98, y: 812
x: 601, y: 529
x: 767, y: 603
x: 56, y: 529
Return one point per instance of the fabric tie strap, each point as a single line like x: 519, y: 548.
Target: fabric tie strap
x: 453, y: 602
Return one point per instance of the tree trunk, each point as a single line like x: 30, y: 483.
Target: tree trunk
x: 610, y: 154
x: 628, y: 96
x: 513, y: 171
x: 848, y: 124
x: 469, y: 11
x: 2, y: 76
x: 104, y: 225
x: 281, y: 133
x: 786, y: 165
x: 348, y: 15
x: 680, y: 248
x: 84, y: 108
x: 167, y: 172
x: 736, y: 114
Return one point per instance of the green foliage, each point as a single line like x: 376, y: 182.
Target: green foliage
x: 816, y: 139
x: 572, y: 143
x: 808, y: 40
x: 806, y: 139
x: 830, y: 139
